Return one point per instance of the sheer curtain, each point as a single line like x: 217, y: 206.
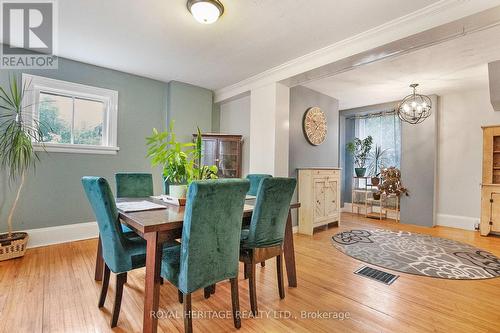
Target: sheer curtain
x: 385, y: 129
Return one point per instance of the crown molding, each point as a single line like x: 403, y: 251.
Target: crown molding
x: 436, y: 14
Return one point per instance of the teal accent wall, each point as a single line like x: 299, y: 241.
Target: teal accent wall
x: 216, y: 118
x: 53, y: 195
x: 189, y: 106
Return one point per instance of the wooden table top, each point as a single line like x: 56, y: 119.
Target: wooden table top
x: 164, y: 219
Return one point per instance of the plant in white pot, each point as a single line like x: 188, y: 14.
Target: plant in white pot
x: 181, y: 162
x: 17, y: 156
x: 173, y: 157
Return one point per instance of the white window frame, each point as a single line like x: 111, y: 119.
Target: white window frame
x: 109, y: 98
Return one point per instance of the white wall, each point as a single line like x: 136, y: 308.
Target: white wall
x: 460, y: 155
x: 235, y: 119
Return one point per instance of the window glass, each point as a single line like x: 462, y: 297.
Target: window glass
x: 88, y: 122
x: 56, y: 115
x: 385, y: 130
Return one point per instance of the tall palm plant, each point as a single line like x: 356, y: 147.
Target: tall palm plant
x: 17, y: 134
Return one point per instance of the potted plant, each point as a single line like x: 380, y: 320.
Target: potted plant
x: 165, y: 150
x: 17, y: 157
x: 360, y: 149
x: 181, y: 162
x: 392, y: 183
x: 377, y: 163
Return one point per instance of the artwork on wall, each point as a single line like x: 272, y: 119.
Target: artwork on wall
x: 314, y: 126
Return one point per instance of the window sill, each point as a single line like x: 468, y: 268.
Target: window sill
x: 75, y: 149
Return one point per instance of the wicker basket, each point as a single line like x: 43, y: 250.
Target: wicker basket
x: 14, y: 246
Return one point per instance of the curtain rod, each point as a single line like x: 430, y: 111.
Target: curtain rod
x: 373, y: 115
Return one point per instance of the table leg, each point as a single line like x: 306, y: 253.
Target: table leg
x: 152, y: 288
x: 99, y: 261
x: 289, y: 253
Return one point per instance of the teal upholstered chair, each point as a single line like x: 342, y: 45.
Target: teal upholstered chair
x: 121, y: 251
x: 210, y: 242
x: 264, y: 238
x: 134, y: 185
x: 128, y: 185
x: 255, y: 180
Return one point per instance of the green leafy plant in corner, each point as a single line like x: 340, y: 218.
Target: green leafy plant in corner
x: 17, y: 135
x: 360, y: 149
x: 181, y: 162
x: 171, y: 155
x: 377, y: 161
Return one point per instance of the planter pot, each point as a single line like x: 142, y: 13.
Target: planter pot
x: 375, y: 181
x: 376, y: 196
x: 360, y: 172
x: 14, y: 246
x: 177, y: 191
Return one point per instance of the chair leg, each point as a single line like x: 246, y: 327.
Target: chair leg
x: 125, y: 279
x: 245, y: 270
x: 263, y: 264
x: 207, y: 292
x: 180, y: 296
x: 235, y: 300
x: 279, y: 270
x: 120, y: 281
x: 104, y: 287
x: 188, y: 320
x: 252, y: 288
x: 161, y: 280
x: 99, y: 262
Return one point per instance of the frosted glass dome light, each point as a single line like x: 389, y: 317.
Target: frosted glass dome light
x: 205, y: 11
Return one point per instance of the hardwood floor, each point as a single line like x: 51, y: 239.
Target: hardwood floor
x: 52, y: 289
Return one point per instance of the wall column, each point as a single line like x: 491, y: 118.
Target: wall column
x: 269, y: 129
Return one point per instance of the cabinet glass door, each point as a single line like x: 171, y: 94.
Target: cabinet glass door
x: 228, y: 159
x: 209, y: 152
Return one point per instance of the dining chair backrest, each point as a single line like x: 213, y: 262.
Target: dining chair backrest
x: 134, y: 185
x: 211, y: 232
x: 255, y: 180
x: 103, y: 204
x: 267, y: 227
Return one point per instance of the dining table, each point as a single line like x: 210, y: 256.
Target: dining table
x: 161, y: 225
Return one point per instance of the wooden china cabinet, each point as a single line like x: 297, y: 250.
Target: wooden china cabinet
x: 224, y: 151
x: 490, y: 186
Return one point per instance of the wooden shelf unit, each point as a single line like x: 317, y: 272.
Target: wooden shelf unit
x: 361, y: 185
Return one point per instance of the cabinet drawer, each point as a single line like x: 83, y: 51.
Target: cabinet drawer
x: 325, y: 172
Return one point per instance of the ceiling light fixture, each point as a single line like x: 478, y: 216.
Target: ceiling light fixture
x: 414, y: 108
x: 205, y: 11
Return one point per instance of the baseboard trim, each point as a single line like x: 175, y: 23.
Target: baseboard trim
x: 456, y: 221
x: 62, y: 234
x: 444, y: 220
x: 295, y: 229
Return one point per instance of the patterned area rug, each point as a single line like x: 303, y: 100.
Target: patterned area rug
x: 418, y: 254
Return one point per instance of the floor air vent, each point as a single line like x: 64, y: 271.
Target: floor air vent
x: 377, y: 275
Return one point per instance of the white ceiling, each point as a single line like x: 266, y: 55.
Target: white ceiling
x: 455, y: 65
x: 160, y: 39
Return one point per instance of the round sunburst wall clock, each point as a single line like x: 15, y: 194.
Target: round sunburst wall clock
x: 314, y: 126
